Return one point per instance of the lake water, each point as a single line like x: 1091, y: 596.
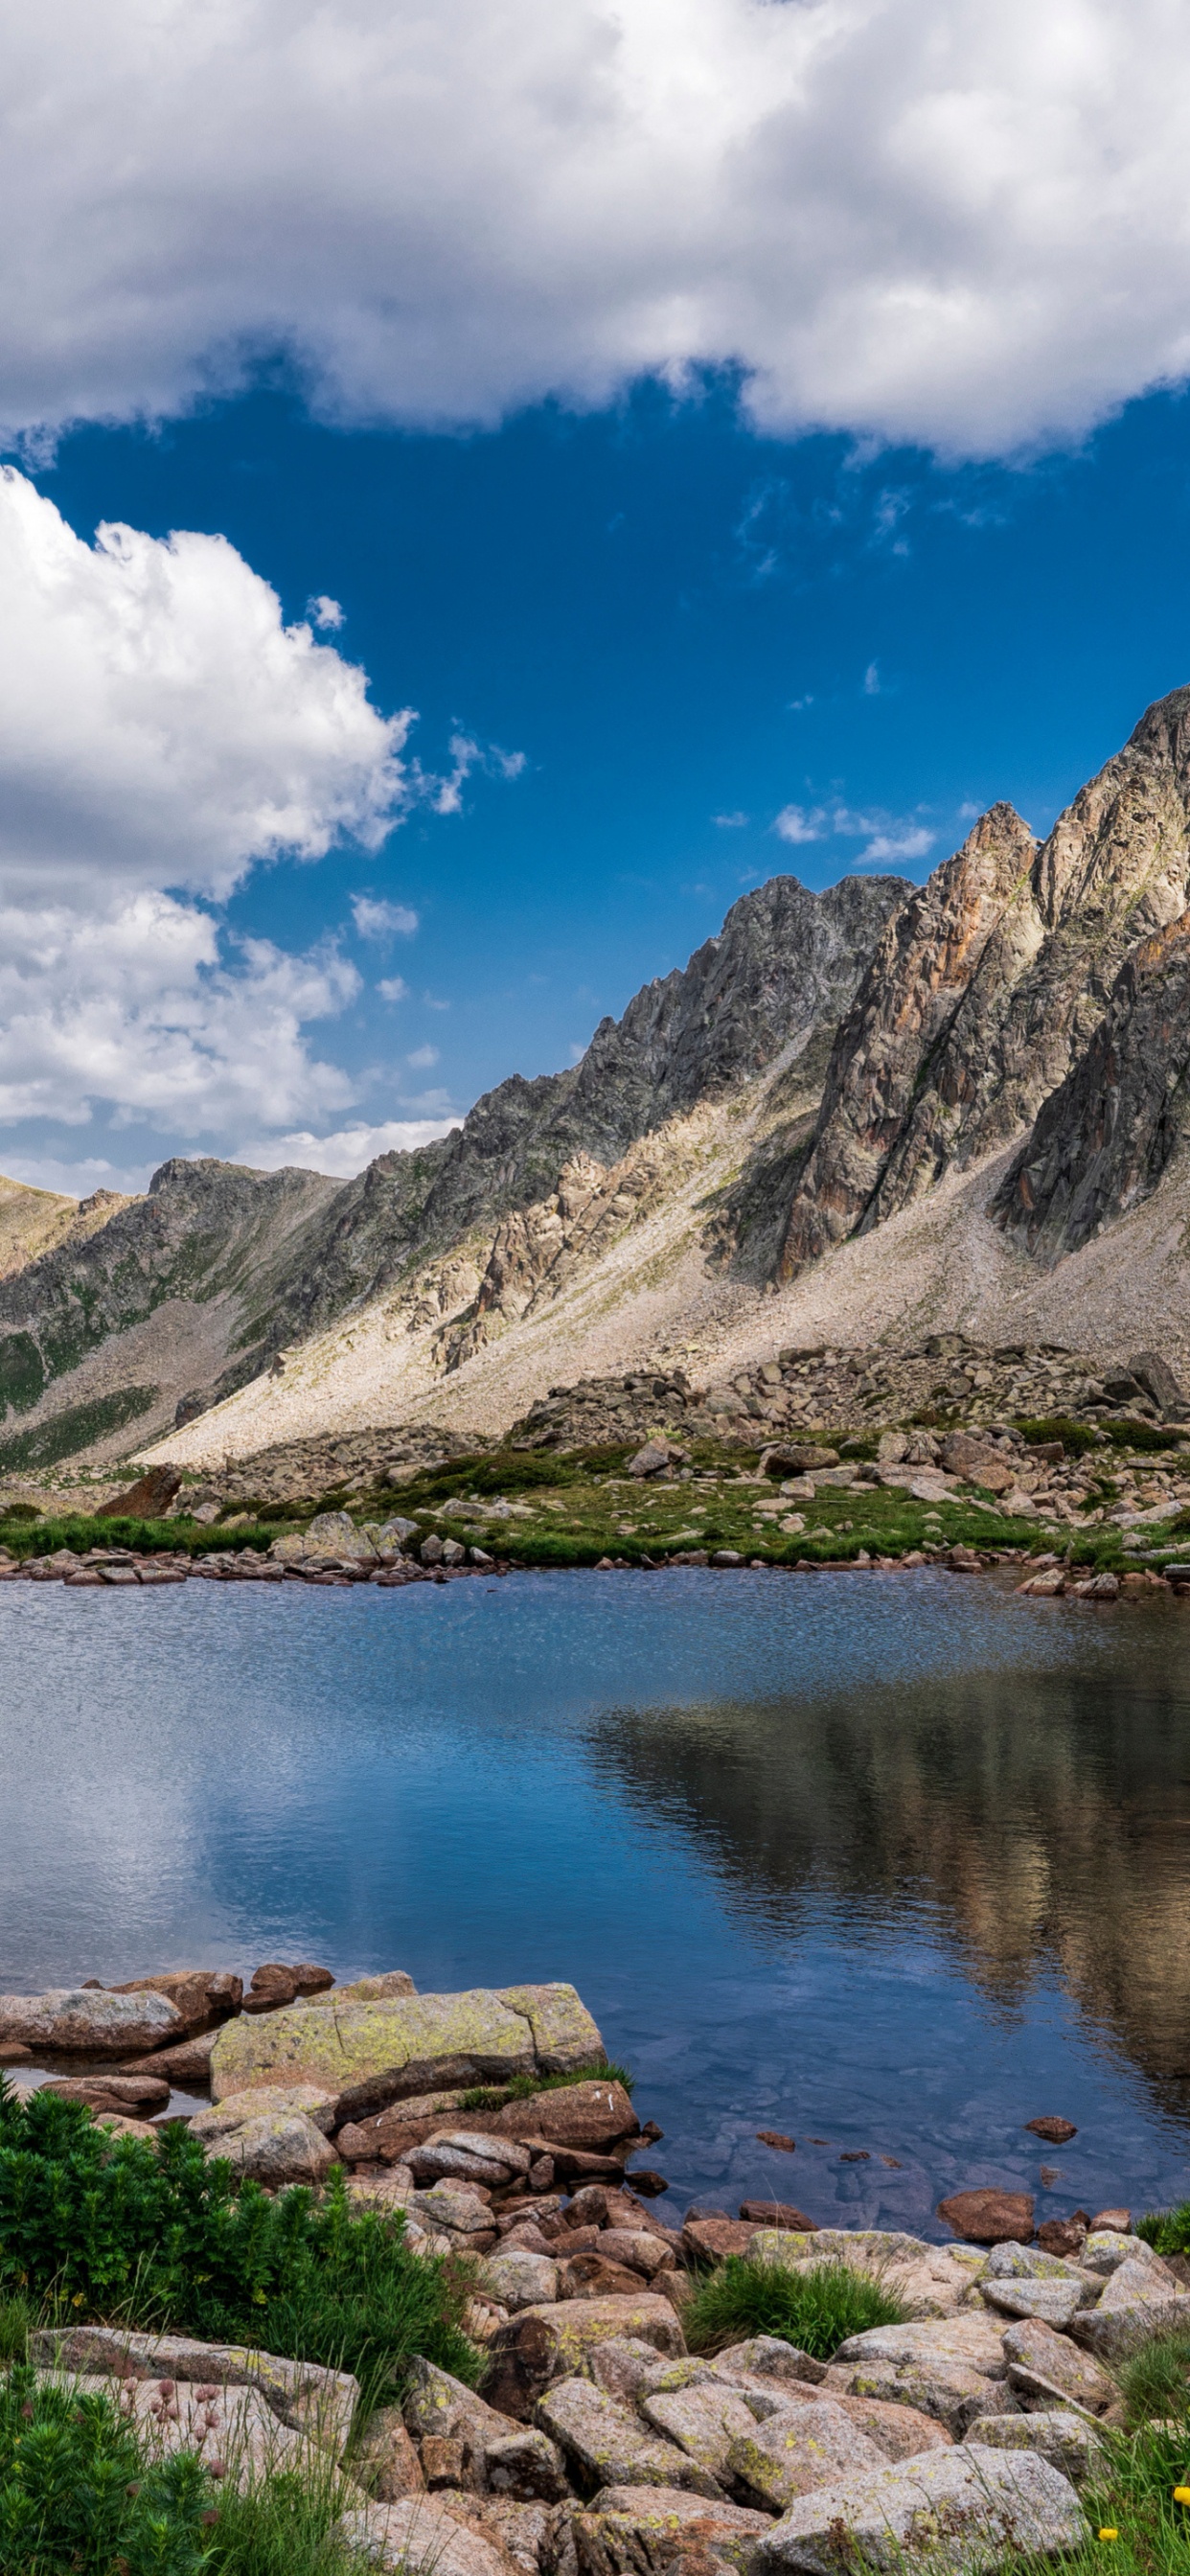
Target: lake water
x: 893, y: 1864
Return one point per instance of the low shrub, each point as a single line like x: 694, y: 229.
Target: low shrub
x: 1076, y: 1437
x: 816, y: 2309
x: 1166, y: 2230
x: 75, y: 2491
x: 102, y: 2226
x: 1139, y: 1435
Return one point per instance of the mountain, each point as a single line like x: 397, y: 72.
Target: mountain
x: 868, y: 1117
x: 170, y: 1303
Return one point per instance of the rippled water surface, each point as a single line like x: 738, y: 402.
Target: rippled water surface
x: 893, y: 1865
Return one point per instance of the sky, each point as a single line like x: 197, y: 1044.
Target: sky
x: 486, y: 487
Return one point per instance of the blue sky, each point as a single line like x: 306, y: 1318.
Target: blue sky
x: 665, y: 633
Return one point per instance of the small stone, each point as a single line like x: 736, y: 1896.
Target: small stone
x: 776, y: 2138
x: 1119, y: 2219
x: 1062, y: 2236
x: 1057, y: 2133
x: 989, y: 2217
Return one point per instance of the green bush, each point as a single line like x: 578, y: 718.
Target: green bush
x: 76, y: 2493
x: 1076, y: 1437
x: 105, y: 2226
x: 1166, y: 2230
x: 1139, y: 1435
x: 816, y: 2309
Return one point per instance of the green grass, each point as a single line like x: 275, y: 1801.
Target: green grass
x: 102, y: 2227
x: 1156, y: 2382
x: 78, y: 2493
x: 1166, y: 2230
x: 1131, y: 2496
x: 816, y: 2309
x: 492, y: 2097
x: 27, y: 1534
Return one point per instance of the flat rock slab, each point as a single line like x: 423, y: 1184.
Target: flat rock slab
x: 963, y: 2510
x: 770, y: 2357
x: 84, y: 2021
x: 548, y: 2343
x: 417, y: 2533
x: 805, y: 2446
x: 1057, y: 2303
x: 302, y: 2394
x: 1056, y: 2433
x: 373, y: 2053
x: 987, y: 2217
x: 469, y: 2156
x: 594, y: 2115
x: 610, y: 2444
x: 138, y: 2097
x: 233, y: 2430
x: 1138, y: 2302
x: 231, y: 2113
x: 1044, y: 2364
x: 973, y: 2340
x: 1009, y: 2262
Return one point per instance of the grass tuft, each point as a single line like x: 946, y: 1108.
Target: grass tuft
x: 1156, y: 2382
x: 523, y: 2088
x: 816, y: 2309
x: 1166, y: 2230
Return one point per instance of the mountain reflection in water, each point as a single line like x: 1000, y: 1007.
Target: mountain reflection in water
x: 1038, y: 1821
x: 891, y: 1864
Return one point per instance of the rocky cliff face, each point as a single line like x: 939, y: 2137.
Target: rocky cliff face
x: 1103, y: 1139
x: 984, y: 991
x: 162, y: 1305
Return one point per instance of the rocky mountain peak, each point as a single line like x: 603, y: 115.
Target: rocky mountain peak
x: 986, y: 989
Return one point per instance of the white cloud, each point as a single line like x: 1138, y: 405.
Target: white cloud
x: 729, y: 822
x: 887, y: 836
x: 794, y: 824
x: 422, y: 1058
x: 161, y: 731
x: 872, y: 680
x: 159, y: 724
x: 926, y: 219
x: 393, y: 988
x: 347, y: 1151
x: 78, y: 1179
x: 375, y: 919
x: 325, y: 613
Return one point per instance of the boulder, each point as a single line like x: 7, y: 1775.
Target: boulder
x: 276, y: 1984
x: 770, y: 2357
x: 1155, y: 1375
x: 628, y: 2530
x: 704, y: 2420
x: 336, y: 1534
x: 591, y: 2275
x: 1107, y: 2247
x: 807, y: 2445
x: 519, y: 2279
x: 457, y: 2211
x: 373, y: 2054
x: 978, y: 1462
x: 609, y: 2444
x: 419, y: 2533
x: 468, y: 2156
x: 1062, y: 2235
x: 548, y: 2343
x: 638, y: 2247
x: 386, y: 2462
x: 1139, y: 2301
x: 132, y: 2096
x: 1044, y: 2364
x: 200, y: 1995
x: 186, y: 2065
x: 524, y: 2464
x: 368, y: 1990
x: 233, y: 2431
x: 967, y: 2510
x: 1056, y: 2433
x: 148, y: 1499
x: 972, y: 2340
x: 224, y: 2117
x: 988, y: 2217
x: 711, y: 2240
x: 1056, y: 2302
x: 86, y: 2021
x: 277, y: 2148
x: 319, y: 2402
x: 776, y: 2213
x: 594, y: 2115
x: 946, y: 2370
x: 653, y: 1459
x: 443, y: 2408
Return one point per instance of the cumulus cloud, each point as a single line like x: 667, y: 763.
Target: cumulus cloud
x: 159, y: 723
x: 161, y: 732
x: 422, y: 1058
x: 347, y: 1151
x: 325, y: 613
x: 924, y: 219
x: 393, y: 988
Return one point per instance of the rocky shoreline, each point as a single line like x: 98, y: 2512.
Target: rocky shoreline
x: 488, y: 2127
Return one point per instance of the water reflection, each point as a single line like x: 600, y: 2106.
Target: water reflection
x: 1037, y: 1821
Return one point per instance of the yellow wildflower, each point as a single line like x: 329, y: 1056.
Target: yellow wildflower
x: 1109, y: 2534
